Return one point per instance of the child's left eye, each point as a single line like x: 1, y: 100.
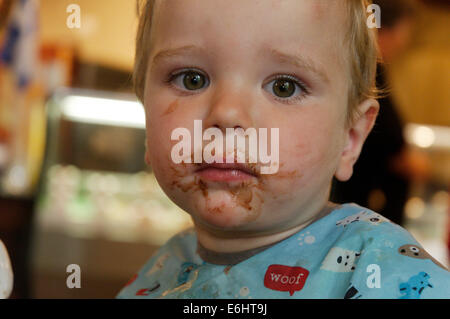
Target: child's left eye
x: 285, y: 86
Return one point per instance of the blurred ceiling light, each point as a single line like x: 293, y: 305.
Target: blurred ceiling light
x: 104, y: 111
x: 423, y: 136
x: 440, y: 201
x: 16, y: 180
x: 428, y: 136
x: 414, y: 208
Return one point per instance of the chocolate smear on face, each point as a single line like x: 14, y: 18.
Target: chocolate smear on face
x: 172, y: 107
x: 216, y: 210
x: 202, y: 187
x: 179, y: 172
x: 243, y: 193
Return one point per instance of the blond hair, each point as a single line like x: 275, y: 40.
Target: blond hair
x: 362, y: 49
x: 363, y: 53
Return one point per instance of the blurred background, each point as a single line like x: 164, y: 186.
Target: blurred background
x: 74, y: 187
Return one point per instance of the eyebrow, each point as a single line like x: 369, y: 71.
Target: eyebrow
x: 169, y: 53
x: 301, y: 62
x: 297, y: 61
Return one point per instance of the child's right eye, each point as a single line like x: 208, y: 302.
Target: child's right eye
x: 188, y: 80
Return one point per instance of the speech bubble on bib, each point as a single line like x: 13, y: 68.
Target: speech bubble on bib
x: 285, y: 278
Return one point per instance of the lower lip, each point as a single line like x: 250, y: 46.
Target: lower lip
x: 224, y: 175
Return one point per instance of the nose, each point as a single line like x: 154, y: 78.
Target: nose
x: 230, y: 108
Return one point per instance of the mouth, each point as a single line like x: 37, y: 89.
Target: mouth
x: 225, y: 172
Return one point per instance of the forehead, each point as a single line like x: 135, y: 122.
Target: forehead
x: 314, y: 29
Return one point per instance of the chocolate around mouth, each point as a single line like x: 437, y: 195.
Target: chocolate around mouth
x: 247, y: 194
x: 242, y: 192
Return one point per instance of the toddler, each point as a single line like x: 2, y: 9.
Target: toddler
x: 305, y: 71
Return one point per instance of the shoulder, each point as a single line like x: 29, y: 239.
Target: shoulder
x: 182, y: 247
x: 353, y: 213
x: 370, y: 226
x: 183, y: 239
x: 157, y: 274
x: 391, y: 263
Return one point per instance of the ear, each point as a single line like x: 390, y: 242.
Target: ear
x: 356, y: 134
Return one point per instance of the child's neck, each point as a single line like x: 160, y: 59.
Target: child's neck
x: 212, y: 244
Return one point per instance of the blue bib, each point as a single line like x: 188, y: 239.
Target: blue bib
x: 352, y: 252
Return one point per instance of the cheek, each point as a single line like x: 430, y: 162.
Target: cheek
x: 164, y: 116
x: 158, y: 158
x: 159, y: 143
x: 160, y: 122
x: 311, y: 148
x: 158, y: 136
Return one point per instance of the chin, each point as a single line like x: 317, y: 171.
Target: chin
x: 222, y: 209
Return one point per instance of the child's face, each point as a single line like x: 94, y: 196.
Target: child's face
x: 237, y: 50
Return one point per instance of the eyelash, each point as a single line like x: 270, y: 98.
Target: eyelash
x: 303, y: 87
